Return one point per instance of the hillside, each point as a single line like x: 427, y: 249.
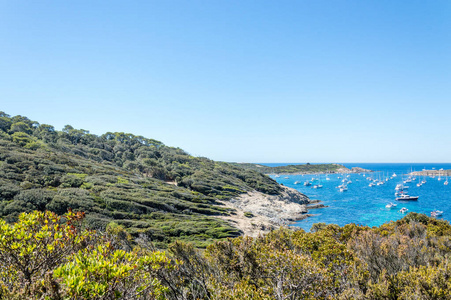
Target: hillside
x: 149, y: 188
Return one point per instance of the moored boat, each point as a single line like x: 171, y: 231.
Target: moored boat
x: 436, y: 213
x: 391, y: 205
x: 405, y: 197
x: 403, y: 210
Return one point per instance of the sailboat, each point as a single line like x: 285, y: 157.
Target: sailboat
x: 446, y: 181
x: 419, y: 182
x: 319, y: 185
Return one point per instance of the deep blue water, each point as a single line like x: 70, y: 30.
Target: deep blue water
x: 365, y: 205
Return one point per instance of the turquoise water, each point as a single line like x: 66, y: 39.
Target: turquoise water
x: 365, y: 205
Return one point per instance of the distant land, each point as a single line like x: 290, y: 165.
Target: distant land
x: 301, y: 169
x: 431, y: 173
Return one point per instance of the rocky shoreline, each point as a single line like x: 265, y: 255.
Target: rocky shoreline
x: 257, y: 213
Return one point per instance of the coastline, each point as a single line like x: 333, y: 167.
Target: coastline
x: 344, y: 170
x: 431, y: 173
x: 257, y: 213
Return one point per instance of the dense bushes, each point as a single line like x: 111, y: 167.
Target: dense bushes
x: 44, y: 256
x: 118, y: 176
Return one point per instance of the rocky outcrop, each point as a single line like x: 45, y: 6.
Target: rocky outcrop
x: 359, y: 170
x: 352, y: 170
x: 258, y: 213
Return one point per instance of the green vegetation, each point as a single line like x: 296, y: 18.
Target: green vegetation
x: 152, y: 190
x: 248, y: 214
x: 44, y: 256
x: 291, y: 169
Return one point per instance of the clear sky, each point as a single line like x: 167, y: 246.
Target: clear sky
x: 247, y: 81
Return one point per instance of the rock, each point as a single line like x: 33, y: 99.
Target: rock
x: 270, y: 211
x: 359, y: 170
x: 316, y: 206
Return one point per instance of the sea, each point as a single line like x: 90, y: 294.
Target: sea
x: 365, y: 205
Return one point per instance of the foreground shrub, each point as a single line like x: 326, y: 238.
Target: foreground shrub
x: 32, y: 247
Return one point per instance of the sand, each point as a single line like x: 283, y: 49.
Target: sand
x: 269, y: 211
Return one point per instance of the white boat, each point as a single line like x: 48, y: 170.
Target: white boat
x: 400, y: 187
x: 307, y: 183
x: 403, y: 210
x: 405, y: 197
x: 391, y: 205
x: 343, y: 189
x: 446, y: 181
x: 436, y: 213
x: 394, y: 175
x: 297, y: 182
x: 277, y: 176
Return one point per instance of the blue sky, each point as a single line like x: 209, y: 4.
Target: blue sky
x: 247, y: 81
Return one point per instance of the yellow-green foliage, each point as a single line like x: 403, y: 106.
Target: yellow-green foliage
x: 105, y: 273
x: 34, y: 246
x: 78, y: 175
x: 44, y: 256
x: 122, y: 180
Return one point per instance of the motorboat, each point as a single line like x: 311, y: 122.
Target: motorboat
x: 403, y: 210
x: 391, y: 205
x: 297, y: 182
x: 343, y: 189
x: 405, y: 197
x: 436, y: 213
x: 307, y: 183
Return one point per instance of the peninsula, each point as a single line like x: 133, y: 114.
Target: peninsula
x: 301, y: 169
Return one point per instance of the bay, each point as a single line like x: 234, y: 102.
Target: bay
x: 365, y: 205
